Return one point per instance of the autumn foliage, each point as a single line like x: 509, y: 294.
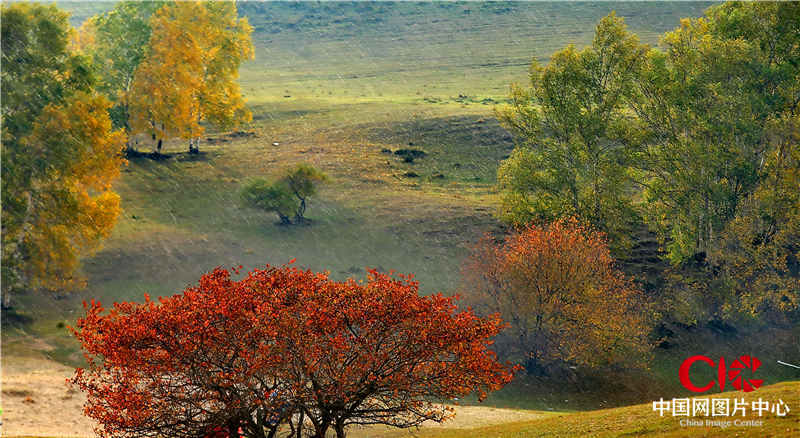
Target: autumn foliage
x: 76, y: 208
x: 60, y: 154
x: 188, y: 77
x: 558, y: 288
x: 280, y: 349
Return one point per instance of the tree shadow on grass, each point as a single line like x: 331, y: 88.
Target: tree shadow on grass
x: 12, y: 318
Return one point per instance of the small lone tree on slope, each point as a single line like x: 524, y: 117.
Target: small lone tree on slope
x: 286, y: 196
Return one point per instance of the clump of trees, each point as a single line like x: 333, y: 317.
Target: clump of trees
x: 566, y: 302
x: 73, y: 100
x: 696, y: 141
x: 171, y: 67
x: 571, y: 122
x: 60, y: 153
x: 287, y: 196
x: 117, y: 42
x: 278, y: 350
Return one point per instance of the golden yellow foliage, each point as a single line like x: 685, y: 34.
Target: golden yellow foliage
x: 73, y: 208
x: 82, y: 38
x: 189, y: 74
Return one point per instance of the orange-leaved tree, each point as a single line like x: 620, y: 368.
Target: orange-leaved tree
x: 280, y: 349
x: 190, y: 72
x: 558, y: 288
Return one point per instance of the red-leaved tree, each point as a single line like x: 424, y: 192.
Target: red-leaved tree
x: 282, y: 351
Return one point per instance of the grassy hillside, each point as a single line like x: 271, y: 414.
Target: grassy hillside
x: 343, y: 53
x: 411, y: 51
x: 343, y: 86
x: 641, y: 421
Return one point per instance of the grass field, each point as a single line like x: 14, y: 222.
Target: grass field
x: 641, y: 421
x: 342, y: 86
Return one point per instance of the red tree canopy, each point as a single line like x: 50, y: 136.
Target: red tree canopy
x: 278, y: 346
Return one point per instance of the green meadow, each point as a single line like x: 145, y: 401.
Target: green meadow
x: 342, y: 86
x: 333, y: 85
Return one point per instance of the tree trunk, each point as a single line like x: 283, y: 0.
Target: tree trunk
x: 233, y: 428
x: 300, y: 424
x: 6, y: 299
x: 18, y: 278
x: 158, y: 147
x: 340, y: 429
x: 321, y: 429
x: 301, y: 211
x: 129, y: 149
x: 194, y: 145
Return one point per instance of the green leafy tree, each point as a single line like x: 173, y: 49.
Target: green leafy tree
x: 60, y: 154
x: 716, y: 121
x: 287, y: 196
x: 117, y: 41
x: 573, y: 158
x: 303, y: 180
x: 702, y: 109
x: 759, y: 250
x: 270, y: 197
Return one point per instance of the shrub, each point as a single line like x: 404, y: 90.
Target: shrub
x: 302, y: 181
x: 286, y: 196
x: 270, y: 197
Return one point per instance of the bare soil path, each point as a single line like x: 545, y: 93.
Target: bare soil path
x: 37, y: 401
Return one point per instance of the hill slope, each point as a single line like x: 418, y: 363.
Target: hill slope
x: 641, y: 421
x: 335, y: 85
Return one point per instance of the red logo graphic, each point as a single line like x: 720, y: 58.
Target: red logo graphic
x: 732, y: 374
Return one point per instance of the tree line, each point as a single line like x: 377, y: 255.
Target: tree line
x: 695, y: 140
x: 170, y: 68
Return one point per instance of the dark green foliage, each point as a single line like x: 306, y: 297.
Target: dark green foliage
x: 409, y: 155
x: 271, y: 197
x: 286, y: 196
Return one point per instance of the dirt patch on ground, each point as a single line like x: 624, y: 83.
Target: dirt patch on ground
x: 38, y: 402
